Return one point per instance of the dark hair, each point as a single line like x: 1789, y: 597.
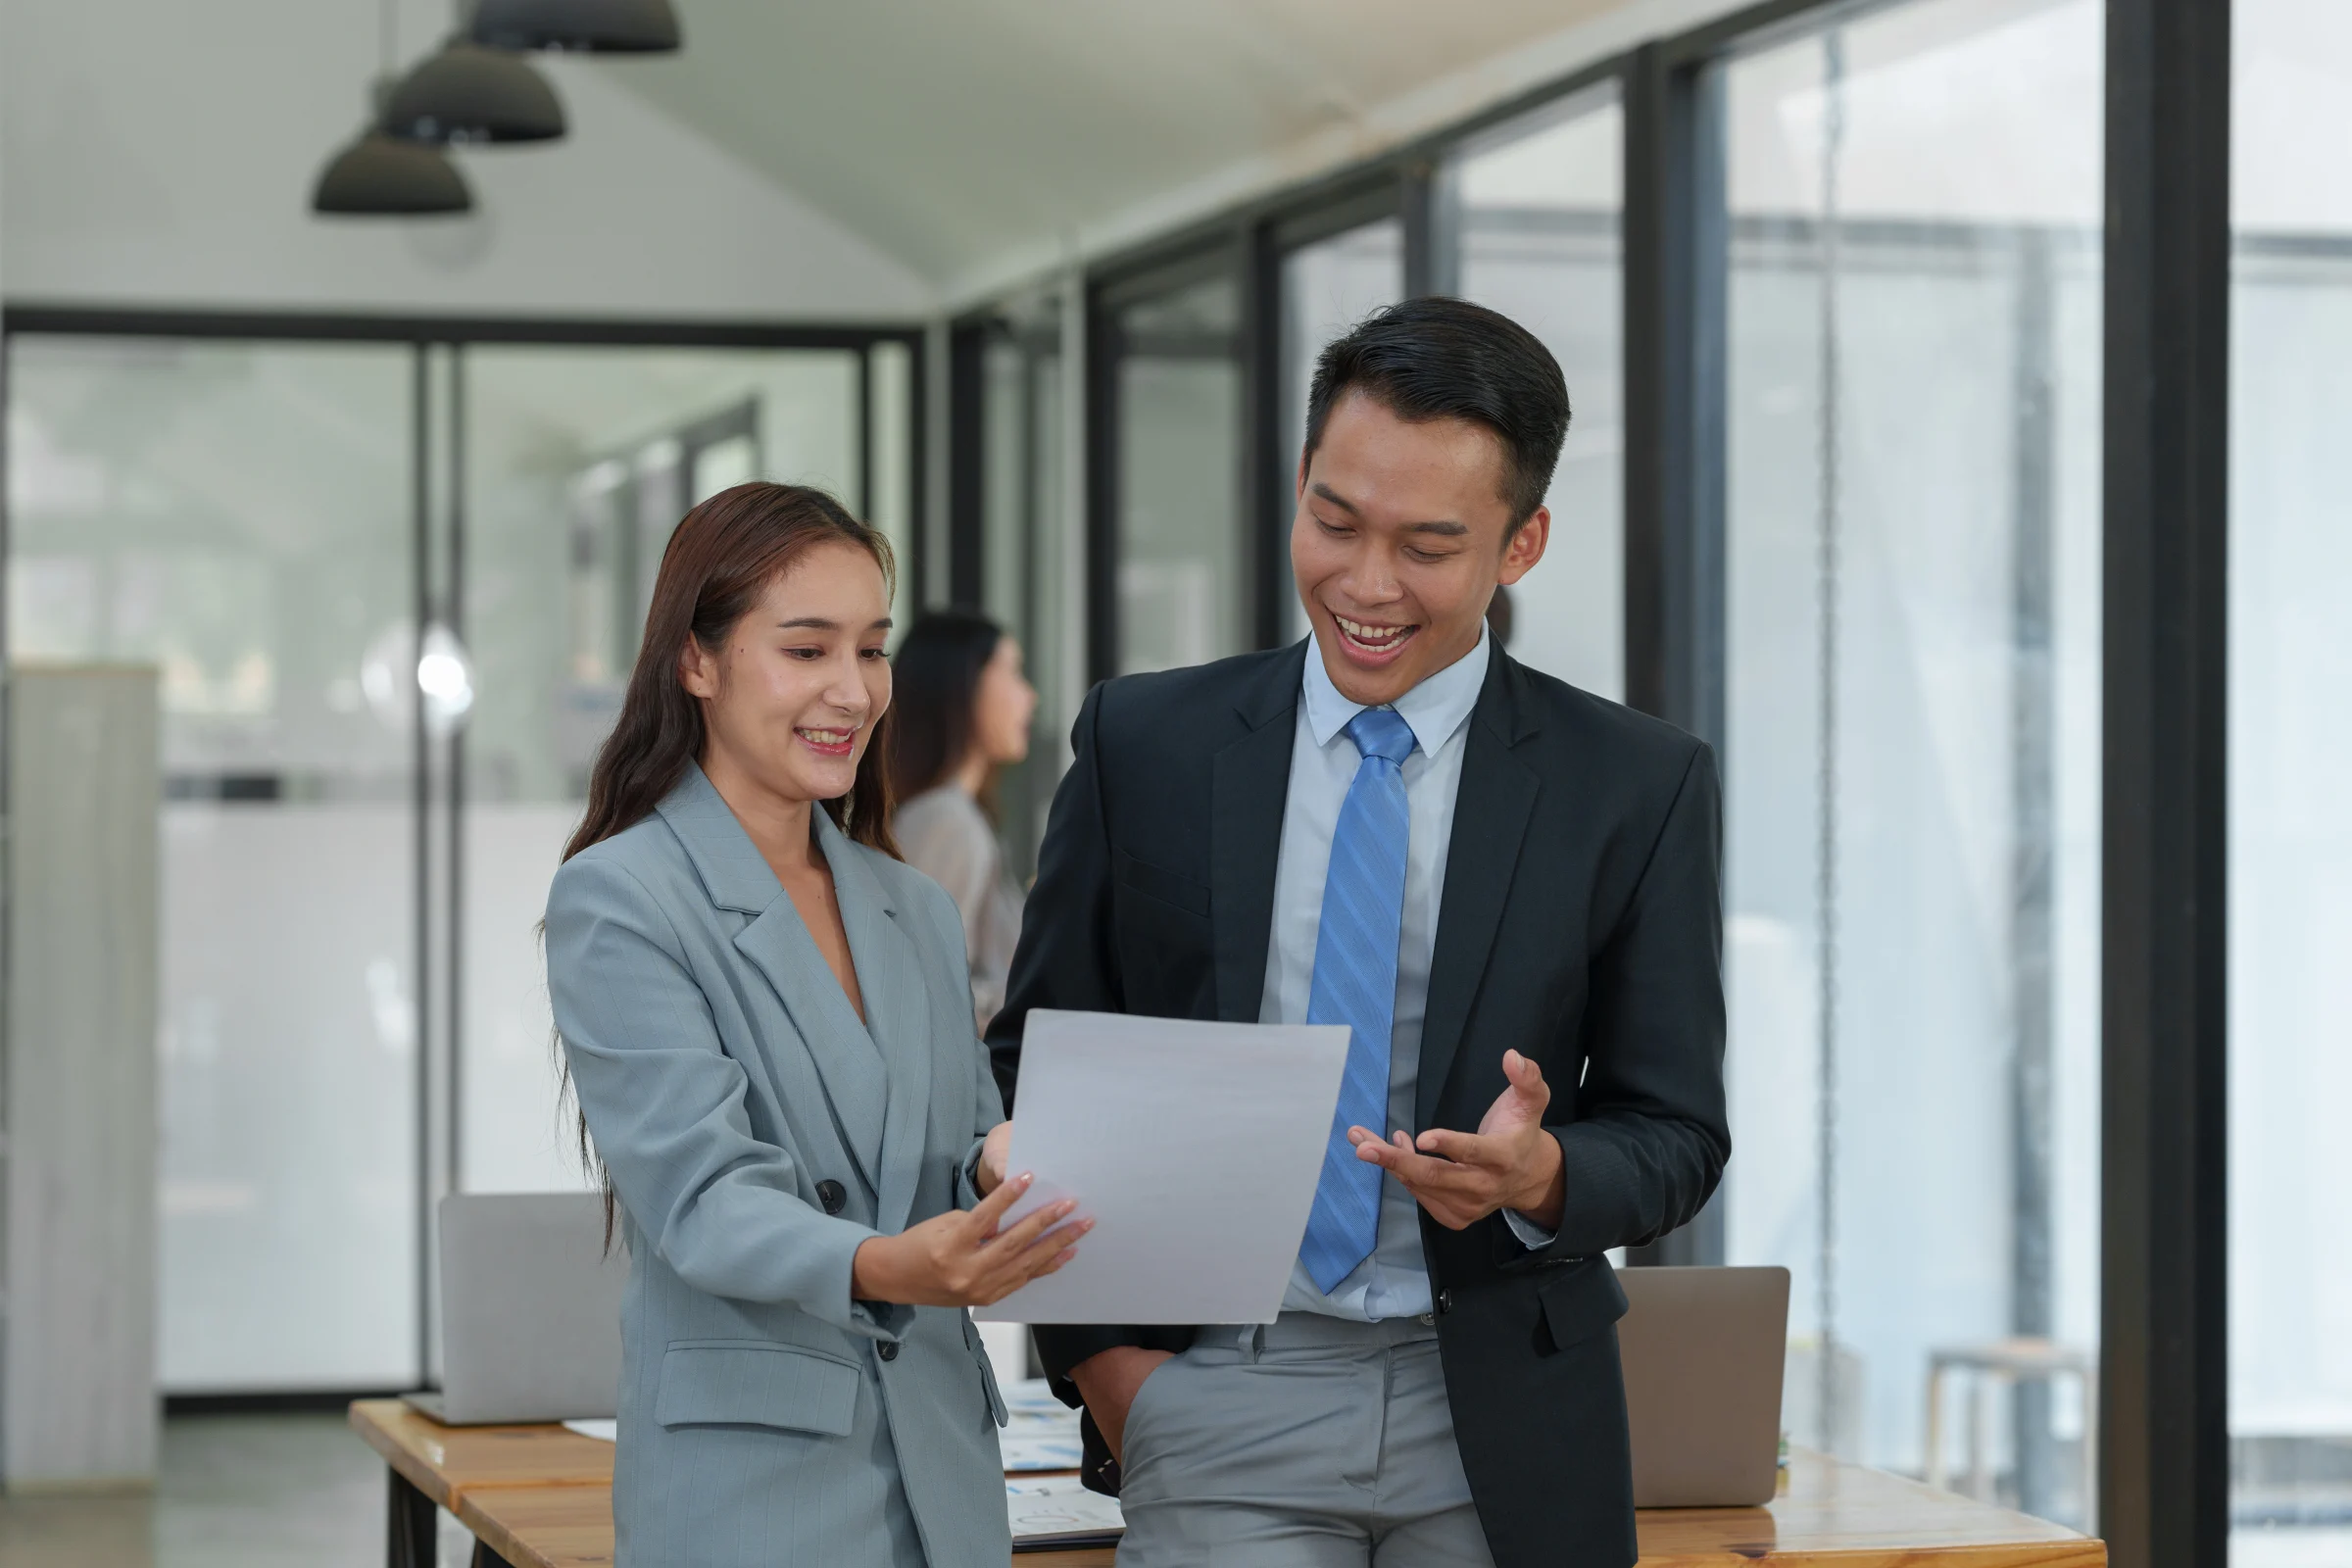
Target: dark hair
x: 935, y: 678
x: 1435, y: 358
x: 719, y: 561
x: 722, y: 556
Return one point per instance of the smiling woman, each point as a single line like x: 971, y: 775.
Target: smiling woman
x: 766, y: 1018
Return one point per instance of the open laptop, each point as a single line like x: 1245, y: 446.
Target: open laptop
x: 530, y: 1309
x: 1703, y: 1351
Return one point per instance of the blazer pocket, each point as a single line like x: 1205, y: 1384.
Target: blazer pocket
x: 988, y: 1372
x: 756, y: 1383
x: 1579, y: 1300
x: 1142, y: 876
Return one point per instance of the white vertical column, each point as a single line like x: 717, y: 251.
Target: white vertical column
x: 80, y: 1400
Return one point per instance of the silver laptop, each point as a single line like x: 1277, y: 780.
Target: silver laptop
x: 530, y: 1309
x: 1703, y: 1351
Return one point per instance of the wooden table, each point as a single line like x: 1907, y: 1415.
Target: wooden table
x: 542, y: 1497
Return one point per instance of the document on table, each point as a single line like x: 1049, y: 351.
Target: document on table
x: 1060, y: 1513
x: 1194, y: 1148
x: 1040, y: 1432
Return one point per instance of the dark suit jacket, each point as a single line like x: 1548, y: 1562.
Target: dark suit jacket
x: 1580, y: 923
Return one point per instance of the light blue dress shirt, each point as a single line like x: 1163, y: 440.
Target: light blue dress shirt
x: 1393, y: 1281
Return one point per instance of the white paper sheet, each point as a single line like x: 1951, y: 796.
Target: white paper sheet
x: 1061, y: 1512
x: 601, y: 1429
x: 1195, y: 1148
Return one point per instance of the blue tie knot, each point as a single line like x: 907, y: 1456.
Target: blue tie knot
x: 1380, y: 732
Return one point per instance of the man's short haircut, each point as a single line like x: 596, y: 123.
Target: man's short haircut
x: 1444, y: 359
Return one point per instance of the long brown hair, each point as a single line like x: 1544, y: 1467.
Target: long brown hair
x: 720, y: 561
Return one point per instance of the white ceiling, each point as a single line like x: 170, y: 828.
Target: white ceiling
x: 969, y: 138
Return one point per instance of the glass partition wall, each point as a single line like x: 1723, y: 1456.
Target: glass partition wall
x: 1912, y: 537
x: 1177, y: 552
x: 1329, y: 283
x: 354, y: 1013
x: 1533, y: 207
x: 2290, y: 841
x: 1029, y: 548
x: 238, y: 516
x: 579, y: 460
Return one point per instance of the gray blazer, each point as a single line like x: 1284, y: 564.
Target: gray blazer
x: 756, y: 1133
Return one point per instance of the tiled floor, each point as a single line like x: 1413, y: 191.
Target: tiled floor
x: 234, y: 1492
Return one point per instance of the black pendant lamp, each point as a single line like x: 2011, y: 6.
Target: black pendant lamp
x: 467, y: 93
x: 380, y: 176
x: 599, y: 26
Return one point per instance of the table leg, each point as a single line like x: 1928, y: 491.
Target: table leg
x: 411, y: 1533
x: 485, y: 1558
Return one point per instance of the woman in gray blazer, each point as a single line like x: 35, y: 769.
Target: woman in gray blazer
x: 767, y: 1020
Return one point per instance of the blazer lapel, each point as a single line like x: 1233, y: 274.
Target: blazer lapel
x: 1490, y: 812
x: 898, y: 1017
x: 1249, y: 784
x: 780, y: 948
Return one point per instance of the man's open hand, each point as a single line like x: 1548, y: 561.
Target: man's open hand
x: 1509, y: 1162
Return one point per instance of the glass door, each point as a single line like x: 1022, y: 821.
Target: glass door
x: 241, y: 515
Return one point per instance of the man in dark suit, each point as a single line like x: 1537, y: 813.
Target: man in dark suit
x: 1508, y: 890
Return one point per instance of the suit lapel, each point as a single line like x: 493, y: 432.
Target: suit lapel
x: 1490, y: 812
x: 1249, y: 783
x: 777, y: 943
x: 898, y: 1017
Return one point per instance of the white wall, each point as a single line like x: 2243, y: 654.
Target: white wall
x: 157, y: 154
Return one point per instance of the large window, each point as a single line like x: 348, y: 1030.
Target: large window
x: 1534, y: 209
x: 1912, y: 540
x: 360, y: 823
x: 238, y: 515
x: 2291, y: 837
x: 1328, y: 285
x: 1180, y: 544
x: 1028, y: 578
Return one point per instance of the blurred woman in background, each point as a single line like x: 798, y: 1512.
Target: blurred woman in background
x: 963, y: 712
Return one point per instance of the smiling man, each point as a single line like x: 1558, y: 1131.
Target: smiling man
x: 1508, y: 891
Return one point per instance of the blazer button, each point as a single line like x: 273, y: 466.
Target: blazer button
x: 1446, y: 1299
x: 832, y: 1194
x: 888, y: 1349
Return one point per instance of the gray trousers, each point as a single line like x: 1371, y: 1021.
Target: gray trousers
x: 1307, y: 1442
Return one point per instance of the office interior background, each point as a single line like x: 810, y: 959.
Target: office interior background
x: 1961, y: 391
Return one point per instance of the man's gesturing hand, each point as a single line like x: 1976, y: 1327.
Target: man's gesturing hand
x: 1509, y: 1162
x: 960, y: 1259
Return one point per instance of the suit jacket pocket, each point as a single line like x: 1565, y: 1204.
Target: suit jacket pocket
x: 1142, y: 876
x: 1580, y: 1300
x: 988, y: 1371
x: 757, y: 1383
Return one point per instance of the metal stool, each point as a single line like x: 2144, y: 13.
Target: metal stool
x: 2007, y: 1363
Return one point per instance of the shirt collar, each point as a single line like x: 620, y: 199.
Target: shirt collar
x: 1435, y: 710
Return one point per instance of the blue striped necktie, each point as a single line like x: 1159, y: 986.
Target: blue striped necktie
x: 1355, y: 983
